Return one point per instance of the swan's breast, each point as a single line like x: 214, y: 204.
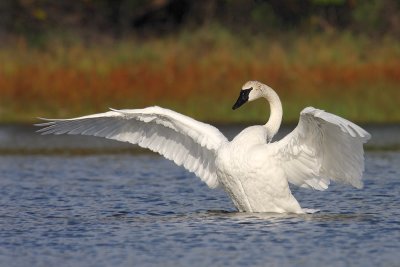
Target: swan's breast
x: 254, y: 179
x: 239, y: 167
x: 250, y: 174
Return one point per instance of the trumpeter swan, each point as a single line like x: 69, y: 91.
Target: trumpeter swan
x: 253, y: 170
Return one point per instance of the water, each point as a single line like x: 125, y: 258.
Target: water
x: 76, y: 201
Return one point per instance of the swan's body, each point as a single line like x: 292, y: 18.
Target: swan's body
x: 252, y: 170
x: 251, y: 175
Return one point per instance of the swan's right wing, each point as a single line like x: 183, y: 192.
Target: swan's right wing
x: 321, y: 148
x: 187, y: 142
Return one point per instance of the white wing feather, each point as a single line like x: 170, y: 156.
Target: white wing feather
x: 321, y: 148
x: 187, y: 142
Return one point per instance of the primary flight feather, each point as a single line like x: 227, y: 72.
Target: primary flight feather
x: 252, y: 170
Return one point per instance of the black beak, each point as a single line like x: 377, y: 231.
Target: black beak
x: 243, y: 98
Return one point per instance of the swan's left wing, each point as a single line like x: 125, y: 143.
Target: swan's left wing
x: 177, y: 137
x: 321, y: 148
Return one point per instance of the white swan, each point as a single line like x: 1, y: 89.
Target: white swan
x: 253, y: 170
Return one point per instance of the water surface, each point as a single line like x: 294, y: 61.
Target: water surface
x: 110, y: 207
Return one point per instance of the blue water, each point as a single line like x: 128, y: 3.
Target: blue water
x: 89, y: 208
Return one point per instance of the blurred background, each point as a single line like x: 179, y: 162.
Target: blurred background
x: 70, y: 58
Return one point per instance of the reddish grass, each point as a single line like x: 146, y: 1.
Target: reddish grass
x: 186, y: 81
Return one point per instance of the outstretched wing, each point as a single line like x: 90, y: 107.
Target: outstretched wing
x: 321, y: 148
x: 187, y: 142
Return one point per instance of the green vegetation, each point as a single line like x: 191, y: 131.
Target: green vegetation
x: 199, y: 73
x: 69, y: 58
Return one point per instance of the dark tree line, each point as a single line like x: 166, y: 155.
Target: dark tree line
x: 125, y: 17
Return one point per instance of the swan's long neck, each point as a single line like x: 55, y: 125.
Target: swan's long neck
x: 275, y: 118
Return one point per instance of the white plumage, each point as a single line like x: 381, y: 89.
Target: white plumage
x: 253, y: 170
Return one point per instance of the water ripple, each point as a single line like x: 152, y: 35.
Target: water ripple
x: 142, y: 210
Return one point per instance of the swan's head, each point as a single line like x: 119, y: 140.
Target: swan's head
x: 251, y: 90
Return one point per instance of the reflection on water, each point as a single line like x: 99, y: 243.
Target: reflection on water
x: 138, y: 209
x: 23, y: 139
